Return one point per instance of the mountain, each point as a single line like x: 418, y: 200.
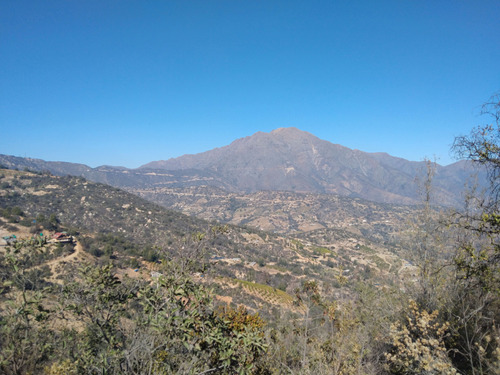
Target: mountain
x: 116, y: 176
x: 286, y: 159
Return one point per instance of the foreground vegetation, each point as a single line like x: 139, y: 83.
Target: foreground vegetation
x: 99, y: 323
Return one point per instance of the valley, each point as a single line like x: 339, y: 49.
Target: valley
x: 337, y: 242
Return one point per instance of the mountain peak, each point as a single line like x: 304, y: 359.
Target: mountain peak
x: 290, y: 129
x: 291, y: 132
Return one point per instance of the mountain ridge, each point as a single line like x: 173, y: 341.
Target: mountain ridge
x: 289, y: 159
x: 285, y: 159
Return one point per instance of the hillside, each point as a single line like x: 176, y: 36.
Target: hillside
x: 280, y: 211
x: 94, y: 208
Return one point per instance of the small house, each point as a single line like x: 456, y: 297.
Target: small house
x: 62, y: 237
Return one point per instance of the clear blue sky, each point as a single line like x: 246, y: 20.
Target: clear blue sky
x: 127, y: 82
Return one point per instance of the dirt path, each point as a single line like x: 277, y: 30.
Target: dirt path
x: 67, y: 258
x: 53, y: 263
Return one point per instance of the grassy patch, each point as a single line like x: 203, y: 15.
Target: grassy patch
x: 322, y: 251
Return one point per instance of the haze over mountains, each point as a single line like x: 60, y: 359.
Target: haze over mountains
x: 286, y: 159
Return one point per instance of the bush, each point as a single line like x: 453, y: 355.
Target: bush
x: 133, y: 263
x: 95, y: 251
x: 26, y: 222
x: 417, y: 346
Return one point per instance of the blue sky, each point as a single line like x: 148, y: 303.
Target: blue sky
x: 127, y: 82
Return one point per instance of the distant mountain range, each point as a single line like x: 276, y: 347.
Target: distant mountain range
x: 286, y: 159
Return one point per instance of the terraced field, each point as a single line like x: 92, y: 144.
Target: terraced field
x: 269, y: 294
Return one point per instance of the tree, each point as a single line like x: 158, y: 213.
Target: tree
x: 479, y: 258
x: 425, y: 243
x: 24, y: 333
x: 169, y: 326
x: 482, y: 145
x: 475, y: 312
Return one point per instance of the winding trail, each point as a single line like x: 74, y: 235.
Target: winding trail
x: 53, y: 263
x: 73, y: 255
